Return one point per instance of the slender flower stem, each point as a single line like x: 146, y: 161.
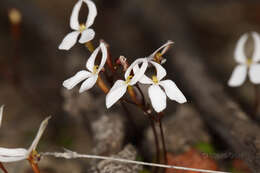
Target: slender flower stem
x: 257, y: 101
x: 34, y: 165
x: 156, y: 144
x: 142, y: 94
x: 3, y: 168
x: 102, y: 85
x: 163, y: 139
x: 132, y: 94
x: 15, y: 18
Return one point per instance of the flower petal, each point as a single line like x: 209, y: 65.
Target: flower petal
x: 161, y: 72
x: 1, y: 114
x: 11, y: 158
x: 157, y: 97
x: 144, y: 79
x: 164, y: 47
x: 254, y: 73
x: 238, y: 76
x: 87, y: 35
x: 77, y: 78
x: 89, y: 83
x: 12, y: 152
x: 38, y: 136
x: 239, y: 53
x: 69, y: 40
x: 104, y: 56
x: 92, y: 12
x: 115, y: 93
x: 91, y: 61
x: 172, y: 91
x: 140, y: 73
x: 74, y: 18
x: 256, y: 53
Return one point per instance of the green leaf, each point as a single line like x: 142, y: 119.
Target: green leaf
x: 205, y: 148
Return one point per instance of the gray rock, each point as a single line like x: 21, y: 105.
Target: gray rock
x: 108, y: 166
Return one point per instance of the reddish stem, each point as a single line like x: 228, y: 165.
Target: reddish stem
x: 257, y: 101
x: 3, y: 168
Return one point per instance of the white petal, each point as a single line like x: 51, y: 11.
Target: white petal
x: 89, y: 83
x: 256, y: 53
x: 69, y: 40
x: 131, y: 67
x: 77, y: 78
x: 254, y: 73
x: 172, y: 91
x: 239, y: 53
x: 1, y: 114
x: 238, y: 76
x: 104, y: 56
x: 144, y: 79
x: 115, y: 93
x: 74, y: 18
x: 166, y: 45
x: 160, y: 71
x: 12, y: 152
x: 12, y: 158
x: 140, y: 73
x: 158, y: 98
x: 92, y: 12
x: 91, y: 61
x: 87, y: 35
x: 38, y: 136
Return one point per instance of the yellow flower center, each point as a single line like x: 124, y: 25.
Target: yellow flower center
x: 128, y: 79
x: 95, y: 68
x: 155, y: 80
x: 34, y: 156
x: 249, y: 61
x: 82, y: 27
x: 158, y: 57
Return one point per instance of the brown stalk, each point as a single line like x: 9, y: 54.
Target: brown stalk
x: 3, y: 168
x: 34, y: 165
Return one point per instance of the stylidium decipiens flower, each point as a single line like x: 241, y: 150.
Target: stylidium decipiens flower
x: 87, y: 34
x: 90, y: 76
x: 120, y: 86
x: 156, y: 94
x: 1, y: 114
x: 246, y: 64
x: 157, y: 55
x: 17, y: 154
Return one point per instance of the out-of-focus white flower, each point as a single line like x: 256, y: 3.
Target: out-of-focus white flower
x: 87, y: 34
x: 120, y: 86
x: 1, y: 114
x: 91, y: 76
x: 157, y: 55
x: 246, y: 64
x: 156, y: 94
x: 17, y: 154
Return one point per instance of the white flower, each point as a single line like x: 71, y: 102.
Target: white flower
x: 157, y: 56
x: 246, y: 64
x: 17, y: 154
x: 156, y: 94
x: 91, y: 76
x: 87, y: 34
x: 120, y: 86
x: 1, y: 114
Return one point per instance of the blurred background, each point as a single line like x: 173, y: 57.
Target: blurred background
x: 32, y: 70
